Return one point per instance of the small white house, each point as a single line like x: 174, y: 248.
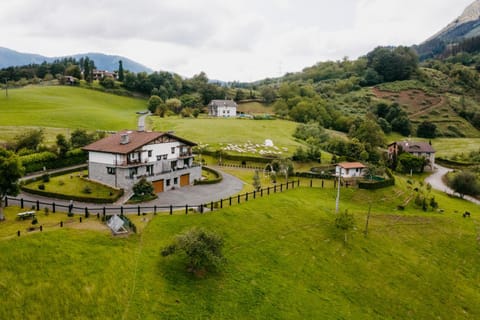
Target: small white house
x: 350, y: 169
x: 222, y: 108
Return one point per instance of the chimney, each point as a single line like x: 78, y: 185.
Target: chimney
x: 124, y: 138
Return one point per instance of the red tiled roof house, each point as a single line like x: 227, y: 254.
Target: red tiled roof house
x: 122, y: 159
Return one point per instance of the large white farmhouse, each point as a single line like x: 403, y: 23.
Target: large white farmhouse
x: 222, y: 108
x: 121, y: 159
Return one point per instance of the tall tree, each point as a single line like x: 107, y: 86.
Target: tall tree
x: 121, y: 76
x: 10, y: 171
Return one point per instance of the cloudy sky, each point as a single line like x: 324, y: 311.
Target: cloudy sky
x: 242, y: 40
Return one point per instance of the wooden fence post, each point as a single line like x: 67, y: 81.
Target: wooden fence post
x: 254, y: 194
x: 38, y: 205
x: 171, y: 209
x: 53, y: 207
x: 246, y: 196
x: 230, y: 201
x: 155, y: 210
x: 238, y: 200
x: 186, y: 209
x: 138, y: 210
x: 21, y: 203
x: 6, y: 202
x: 221, y: 203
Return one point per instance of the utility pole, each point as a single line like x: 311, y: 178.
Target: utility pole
x: 337, y: 203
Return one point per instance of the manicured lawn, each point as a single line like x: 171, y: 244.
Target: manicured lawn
x: 220, y: 132
x: 66, y: 107
x: 286, y: 260
x: 74, y: 184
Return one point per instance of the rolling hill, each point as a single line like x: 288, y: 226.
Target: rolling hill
x: 10, y: 58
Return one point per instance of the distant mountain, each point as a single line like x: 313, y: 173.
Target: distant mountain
x: 466, y: 26
x: 9, y: 58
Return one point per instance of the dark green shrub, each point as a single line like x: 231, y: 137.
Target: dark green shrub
x: 87, y: 190
x: 41, y: 186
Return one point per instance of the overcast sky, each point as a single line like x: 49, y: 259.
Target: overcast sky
x: 243, y: 40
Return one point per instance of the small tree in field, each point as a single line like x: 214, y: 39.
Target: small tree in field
x: 257, y: 184
x: 345, y: 222
x: 202, y: 248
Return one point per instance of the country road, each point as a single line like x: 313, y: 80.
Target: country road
x: 437, y: 183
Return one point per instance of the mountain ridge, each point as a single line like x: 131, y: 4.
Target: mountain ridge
x: 12, y: 58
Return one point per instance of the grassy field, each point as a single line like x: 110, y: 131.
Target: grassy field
x: 220, y: 132
x: 74, y: 184
x: 58, y: 108
x: 255, y: 108
x: 286, y: 260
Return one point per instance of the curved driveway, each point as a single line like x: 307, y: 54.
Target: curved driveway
x: 188, y: 195
x: 437, y: 183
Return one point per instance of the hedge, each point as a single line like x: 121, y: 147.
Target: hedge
x: 373, y: 185
x: 241, y: 158
x: 49, y: 160
x: 314, y: 175
x: 47, y: 194
x: 213, y: 181
x: 455, y: 164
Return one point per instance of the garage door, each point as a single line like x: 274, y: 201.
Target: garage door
x: 158, y: 186
x: 184, y: 180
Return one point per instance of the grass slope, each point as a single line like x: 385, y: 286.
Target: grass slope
x: 217, y: 132
x: 283, y: 263
x: 67, y: 107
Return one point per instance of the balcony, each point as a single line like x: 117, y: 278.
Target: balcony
x: 131, y: 163
x: 185, y: 155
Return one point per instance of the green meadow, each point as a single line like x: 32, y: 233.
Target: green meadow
x: 286, y: 260
x: 58, y: 108
x: 220, y: 132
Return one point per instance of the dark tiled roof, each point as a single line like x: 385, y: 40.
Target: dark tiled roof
x: 137, y: 139
x: 226, y: 103
x: 412, y: 146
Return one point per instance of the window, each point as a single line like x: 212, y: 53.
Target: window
x: 110, y: 170
x: 149, y: 153
x: 173, y: 150
x: 150, y: 170
x: 159, y: 158
x: 168, y: 182
x: 133, y: 171
x: 175, y: 180
x: 165, y: 156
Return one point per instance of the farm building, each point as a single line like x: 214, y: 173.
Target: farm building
x: 419, y: 149
x: 222, y: 108
x: 122, y: 159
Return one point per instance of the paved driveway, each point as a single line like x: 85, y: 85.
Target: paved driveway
x: 437, y: 183
x: 189, y: 195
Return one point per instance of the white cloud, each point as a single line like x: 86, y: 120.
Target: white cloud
x: 229, y: 40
